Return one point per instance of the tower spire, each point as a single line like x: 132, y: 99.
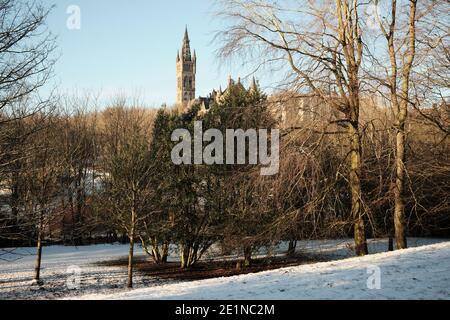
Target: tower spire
x: 254, y: 85
x: 230, y: 82
x: 186, y: 50
x: 186, y: 70
x: 186, y: 34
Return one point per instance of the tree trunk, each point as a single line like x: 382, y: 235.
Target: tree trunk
x: 131, y: 250
x: 399, y: 210
x: 159, y: 253
x: 247, y: 257
x: 184, y: 256
x: 291, y: 249
x: 189, y: 255
x: 165, y: 253
x: 37, y: 267
x: 391, y: 244
x: 78, y: 240
x: 402, y: 115
x: 355, y: 186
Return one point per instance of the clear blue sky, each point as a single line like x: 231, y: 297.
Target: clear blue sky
x: 130, y: 47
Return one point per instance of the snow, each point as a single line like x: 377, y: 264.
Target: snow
x: 58, y: 263
x: 416, y: 273
x: 420, y: 272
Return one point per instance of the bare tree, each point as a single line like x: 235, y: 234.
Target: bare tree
x: 408, y: 65
x: 26, y: 51
x: 399, y: 98
x: 126, y: 173
x: 321, y: 46
x: 80, y: 150
x: 41, y: 174
x: 430, y: 82
x: 26, y: 65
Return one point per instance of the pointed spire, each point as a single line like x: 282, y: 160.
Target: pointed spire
x: 230, y: 81
x: 254, y: 85
x: 239, y: 85
x: 186, y: 49
x: 178, y: 55
x: 186, y: 34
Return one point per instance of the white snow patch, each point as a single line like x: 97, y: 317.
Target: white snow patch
x: 415, y: 273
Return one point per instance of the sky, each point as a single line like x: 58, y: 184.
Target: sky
x: 129, y: 47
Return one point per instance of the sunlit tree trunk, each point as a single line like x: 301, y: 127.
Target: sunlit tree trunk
x: 399, y: 209
x: 355, y: 186
x: 247, y: 256
x: 37, y: 267
x: 350, y: 38
x: 131, y: 249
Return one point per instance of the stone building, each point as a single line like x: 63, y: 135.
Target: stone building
x: 288, y: 108
x: 186, y: 65
x: 291, y: 109
x: 186, y: 70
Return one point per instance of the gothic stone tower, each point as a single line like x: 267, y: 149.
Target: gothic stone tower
x: 186, y: 69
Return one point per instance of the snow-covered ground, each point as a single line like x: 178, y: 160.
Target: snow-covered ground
x: 416, y: 273
x: 59, y: 265
x: 421, y: 272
